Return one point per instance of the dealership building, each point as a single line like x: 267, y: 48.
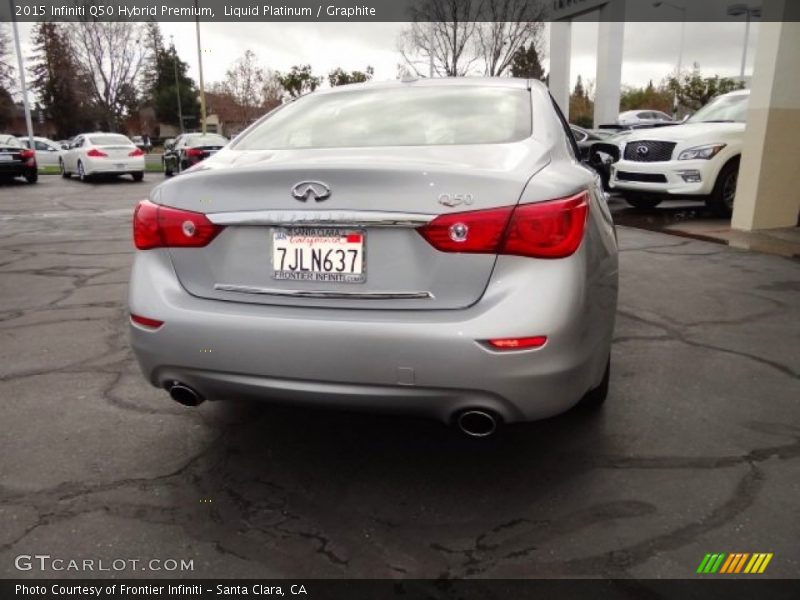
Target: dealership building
x: 767, y: 195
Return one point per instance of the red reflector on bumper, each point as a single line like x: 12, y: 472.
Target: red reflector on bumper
x: 518, y: 343
x: 145, y: 322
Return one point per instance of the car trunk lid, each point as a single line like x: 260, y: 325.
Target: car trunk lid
x: 377, y: 200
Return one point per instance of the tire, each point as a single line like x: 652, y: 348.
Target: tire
x: 64, y: 173
x: 81, y: 173
x: 167, y: 171
x: 642, y: 201
x: 720, y: 202
x: 138, y: 176
x: 32, y: 176
x: 595, y: 397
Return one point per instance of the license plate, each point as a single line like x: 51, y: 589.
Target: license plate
x: 120, y: 165
x: 6, y: 158
x: 312, y: 254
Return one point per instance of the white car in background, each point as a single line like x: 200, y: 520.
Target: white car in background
x: 47, y: 151
x: 100, y: 153
x: 643, y: 117
x: 699, y: 158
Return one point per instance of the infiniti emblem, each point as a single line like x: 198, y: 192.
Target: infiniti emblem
x: 642, y: 150
x: 311, y: 189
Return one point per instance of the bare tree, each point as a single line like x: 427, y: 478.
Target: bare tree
x: 6, y: 67
x: 244, y: 81
x: 441, y: 32
x: 111, y: 55
x: 505, y: 27
x: 460, y: 36
x: 272, y: 91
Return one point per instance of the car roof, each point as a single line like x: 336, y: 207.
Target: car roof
x: 736, y: 93
x: 499, y: 82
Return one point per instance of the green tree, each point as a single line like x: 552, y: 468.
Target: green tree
x: 299, y: 81
x: 162, y: 91
x: 648, y: 97
x: 59, y: 82
x: 581, y: 106
x: 341, y: 77
x: 694, y: 91
x: 525, y: 63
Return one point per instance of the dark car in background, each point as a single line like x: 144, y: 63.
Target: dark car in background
x: 586, y: 137
x: 188, y: 149
x: 16, y: 160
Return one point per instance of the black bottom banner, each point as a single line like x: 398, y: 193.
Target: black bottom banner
x: 406, y: 589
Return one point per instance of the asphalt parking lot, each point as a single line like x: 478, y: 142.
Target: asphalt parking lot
x: 697, y: 449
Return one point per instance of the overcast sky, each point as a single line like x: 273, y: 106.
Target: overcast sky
x: 650, y: 51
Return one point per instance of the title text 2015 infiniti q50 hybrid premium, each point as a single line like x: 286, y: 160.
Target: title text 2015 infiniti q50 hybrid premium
x: 430, y: 247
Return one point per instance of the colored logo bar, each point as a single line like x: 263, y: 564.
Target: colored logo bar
x: 734, y: 563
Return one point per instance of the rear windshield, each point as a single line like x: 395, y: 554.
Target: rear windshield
x: 109, y: 140
x: 206, y: 140
x: 7, y: 140
x: 424, y: 116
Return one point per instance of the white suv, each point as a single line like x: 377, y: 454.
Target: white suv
x: 699, y: 158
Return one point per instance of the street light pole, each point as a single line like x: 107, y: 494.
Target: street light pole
x: 200, y: 66
x: 750, y: 12
x: 680, y: 50
x: 177, y: 84
x: 744, y: 50
x: 21, y: 64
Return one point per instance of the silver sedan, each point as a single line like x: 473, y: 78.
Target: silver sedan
x: 431, y: 247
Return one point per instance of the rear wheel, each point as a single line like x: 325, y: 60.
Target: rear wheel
x: 32, y: 176
x: 721, y: 199
x: 167, y: 170
x: 642, y: 201
x: 64, y: 173
x: 81, y: 173
x: 595, y: 397
x: 138, y: 176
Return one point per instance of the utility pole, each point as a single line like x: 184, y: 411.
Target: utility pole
x: 200, y: 66
x: 430, y: 48
x: 24, y: 85
x: 177, y: 84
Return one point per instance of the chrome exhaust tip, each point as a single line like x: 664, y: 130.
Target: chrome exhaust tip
x: 183, y: 394
x: 477, y: 423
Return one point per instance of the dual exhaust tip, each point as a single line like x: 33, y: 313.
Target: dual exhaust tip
x: 473, y: 422
x: 183, y: 394
x: 476, y: 423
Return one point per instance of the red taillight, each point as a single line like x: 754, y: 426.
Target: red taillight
x: 552, y: 229
x: 95, y: 153
x: 136, y: 152
x: 156, y: 226
x: 146, y: 322
x: 26, y: 154
x: 193, y: 152
x: 478, y: 231
x: 522, y: 343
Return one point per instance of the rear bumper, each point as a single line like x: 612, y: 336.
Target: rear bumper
x: 111, y: 166
x: 419, y: 362
x: 15, y: 169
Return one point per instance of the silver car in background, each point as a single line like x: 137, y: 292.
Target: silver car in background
x: 430, y: 247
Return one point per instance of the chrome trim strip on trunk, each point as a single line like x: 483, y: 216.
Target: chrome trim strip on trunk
x: 246, y: 289
x: 318, y: 218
